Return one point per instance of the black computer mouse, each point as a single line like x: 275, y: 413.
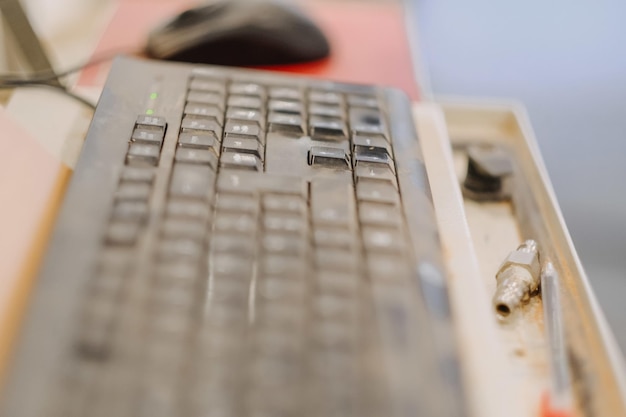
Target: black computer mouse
x: 239, y: 33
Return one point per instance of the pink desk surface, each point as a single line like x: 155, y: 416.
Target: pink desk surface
x: 368, y: 41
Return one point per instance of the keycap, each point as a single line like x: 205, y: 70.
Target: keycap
x: 185, y: 208
x: 151, y: 121
x: 372, y: 141
x: 332, y: 202
x: 365, y: 121
x: 244, y: 145
x: 377, y: 191
x: 204, y: 97
x: 286, y: 93
x: 207, y: 124
x: 328, y: 157
x: 286, y: 106
x: 375, y: 172
x: 284, y: 222
x: 137, y: 174
x: 233, y: 266
x: 143, y: 154
x: 245, y: 102
x: 237, y: 203
x: 243, y: 129
x: 184, y: 228
x: 226, y: 242
x: 196, y: 156
x: 341, y: 283
x: 247, y: 89
x: 326, y: 110
x: 124, y: 233
x: 283, y: 243
x: 189, y: 180
x: 239, y: 113
x: 365, y: 156
x: 387, y: 267
x: 235, y: 222
x: 333, y: 237
x: 284, y: 203
x: 179, y: 247
x: 282, y: 265
x: 383, y: 239
x: 133, y: 191
x: 131, y: 210
x: 355, y: 100
x: 199, y: 141
x: 335, y: 259
x: 238, y: 160
x: 327, y: 127
x: 207, y: 84
x: 283, y: 122
x: 147, y: 136
x: 205, y: 110
x: 335, y: 307
x: 327, y: 97
x: 379, y: 214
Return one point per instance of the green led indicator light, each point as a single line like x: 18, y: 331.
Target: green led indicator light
x: 149, y: 112
x: 153, y: 96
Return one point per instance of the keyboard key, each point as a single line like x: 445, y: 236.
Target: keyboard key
x: 199, y: 141
x: 329, y: 157
x: 341, y: 283
x: 284, y: 203
x: 381, y: 239
x: 365, y: 121
x: 372, y: 142
x: 333, y: 237
x: 238, y: 113
x: 332, y: 202
x: 237, y: 203
x: 251, y: 146
x: 335, y: 259
x: 326, y: 97
x: 203, y: 124
x: 226, y: 242
x: 286, y: 106
x: 185, y: 208
x: 375, y: 172
x: 151, y: 121
x: 178, y: 248
x: 379, y: 214
x: 203, y: 97
x: 184, y: 228
x: 286, y: 93
x: 388, y: 267
x: 133, y: 191
x: 147, y: 136
x: 288, y: 123
x: 194, y: 181
x: 242, y: 129
x: 131, y: 210
x: 238, y: 160
x: 282, y: 265
x: 138, y: 174
x: 326, y: 110
x: 282, y: 243
x: 143, y: 154
x: 123, y: 233
x: 377, y: 192
x: 355, y: 100
x: 205, y: 110
x: 250, y: 182
x: 235, y: 223
x: 207, y: 84
x: 246, y: 102
x: 247, y: 89
x: 196, y: 156
x: 365, y: 156
x: 327, y: 128
x: 285, y: 223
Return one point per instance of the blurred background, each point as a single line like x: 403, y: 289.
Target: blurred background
x: 565, y: 61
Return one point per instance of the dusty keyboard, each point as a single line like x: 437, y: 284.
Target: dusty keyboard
x: 241, y: 243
